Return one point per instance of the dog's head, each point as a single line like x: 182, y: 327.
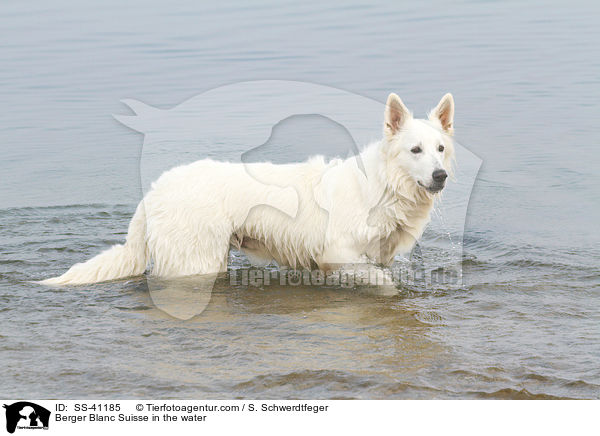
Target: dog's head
x: 419, y: 153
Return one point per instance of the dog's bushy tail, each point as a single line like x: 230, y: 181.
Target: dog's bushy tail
x: 119, y: 261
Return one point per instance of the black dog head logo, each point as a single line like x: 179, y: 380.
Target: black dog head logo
x: 26, y: 414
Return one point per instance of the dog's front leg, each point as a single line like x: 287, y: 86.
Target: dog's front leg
x: 335, y: 257
x: 351, y: 261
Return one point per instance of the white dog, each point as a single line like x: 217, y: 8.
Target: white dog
x: 367, y: 207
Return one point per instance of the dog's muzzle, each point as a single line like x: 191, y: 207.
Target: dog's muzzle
x: 438, y: 181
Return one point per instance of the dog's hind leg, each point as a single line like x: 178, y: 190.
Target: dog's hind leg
x: 185, y: 270
x: 178, y: 252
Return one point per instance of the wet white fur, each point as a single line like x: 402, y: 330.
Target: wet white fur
x: 335, y: 213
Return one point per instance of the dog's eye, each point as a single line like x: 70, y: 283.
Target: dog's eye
x: 441, y: 148
x: 416, y: 149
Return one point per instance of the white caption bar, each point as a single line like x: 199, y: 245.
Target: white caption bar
x: 296, y: 417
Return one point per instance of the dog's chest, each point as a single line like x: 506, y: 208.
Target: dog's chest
x: 394, y: 233
x: 383, y: 247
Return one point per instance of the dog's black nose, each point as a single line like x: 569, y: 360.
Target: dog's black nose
x: 439, y: 176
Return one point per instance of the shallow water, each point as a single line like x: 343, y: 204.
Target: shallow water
x: 524, y: 324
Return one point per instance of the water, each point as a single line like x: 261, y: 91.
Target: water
x: 523, y: 325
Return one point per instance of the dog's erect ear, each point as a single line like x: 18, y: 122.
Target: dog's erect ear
x: 444, y: 113
x: 396, y: 114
